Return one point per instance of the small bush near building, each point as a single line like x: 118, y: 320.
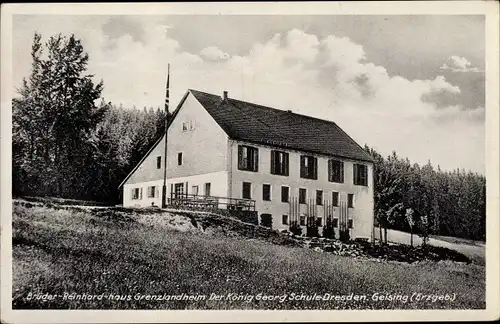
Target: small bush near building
x: 295, y: 228
x: 266, y: 220
x: 329, y: 230
x: 312, y: 227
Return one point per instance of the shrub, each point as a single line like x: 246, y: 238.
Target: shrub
x: 329, y: 230
x: 295, y: 228
x: 312, y: 227
x: 266, y: 220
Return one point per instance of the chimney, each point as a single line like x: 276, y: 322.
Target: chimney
x: 224, y: 98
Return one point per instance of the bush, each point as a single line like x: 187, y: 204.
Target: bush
x: 266, y: 220
x: 344, y: 235
x: 329, y: 230
x: 295, y: 228
x: 312, y: 227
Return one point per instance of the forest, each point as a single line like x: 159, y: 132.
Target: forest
x: 68, y: 142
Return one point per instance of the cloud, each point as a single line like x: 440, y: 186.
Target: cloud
x: 327, y: 77
x: 458, y: 64
x: 213, y: 53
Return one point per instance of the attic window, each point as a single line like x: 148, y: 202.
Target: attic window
x: 185, y: 126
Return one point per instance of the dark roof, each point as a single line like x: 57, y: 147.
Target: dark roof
x: 264, y: 125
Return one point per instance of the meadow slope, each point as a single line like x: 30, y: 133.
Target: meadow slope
x: 81, y: 251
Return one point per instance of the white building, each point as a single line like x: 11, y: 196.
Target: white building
x: 291, y: 165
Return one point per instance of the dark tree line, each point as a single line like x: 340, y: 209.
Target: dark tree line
x: 451, y: 203
x: 68, y: 142
x: 65, y: 142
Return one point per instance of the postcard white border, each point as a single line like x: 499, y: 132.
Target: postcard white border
x: 488, y: 8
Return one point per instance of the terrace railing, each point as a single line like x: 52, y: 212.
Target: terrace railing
x: 210, y: 202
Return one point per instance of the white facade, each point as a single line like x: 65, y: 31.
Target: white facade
x: 361, y: 213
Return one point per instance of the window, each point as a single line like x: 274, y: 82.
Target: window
x: 248, y: 158
x: 247, y: 190
x: 207, y: 189
x: 158, y: 162
x: 266, y: 192
x: 360, y: 172
x: 335, y: 198
x: 284, y: 219
x: 184, y: 126
x: 135, y: 193
x: 335, y: 171
x: 179, y: 189
x: 350, y: 200
x: 302, y: 195
x: 279, y: 163
x: 335, y: 222
x: 308, y: 167
x: 319, y: 221
x: 302, y: 220
x: 285, y: 194
x: 194, y: 190
x: 349, y: 223
x: 179, y: 158
x: 151, y: 191
x: 319, y: 197
x: 192, y: 124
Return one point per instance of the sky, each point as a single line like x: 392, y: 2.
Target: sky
x: 413, y: 84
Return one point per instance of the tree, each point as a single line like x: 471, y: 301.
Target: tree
x: 411, y: 222
x: 54, y: 117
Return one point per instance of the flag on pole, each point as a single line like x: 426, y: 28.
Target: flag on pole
x: 167, y: 102
x: 164, y: 191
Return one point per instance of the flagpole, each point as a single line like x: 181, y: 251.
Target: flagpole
x: 164, y: 192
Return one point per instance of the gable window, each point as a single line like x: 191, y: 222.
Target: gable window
x: 151, y: 191
x: 284, y: 219
x: 319, y: 197
x: 335, y: 198
x: 308, y: 167
x: 302, y: 195
x: 285, y: 193
x: 179, y: 158
x: 247, y: 190
x: 158, y: 162
x: 135, y: 193
x: 360, y: 172
x: 185, y: 126
x: 335, y: 171
x: 266, y: 192
x: 192, y: 124
x: 279, y: 163
x: 350, y: 200
x: 207, y: 189
x: 248, y: 158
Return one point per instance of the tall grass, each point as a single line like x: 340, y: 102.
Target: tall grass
x: 66, y: 251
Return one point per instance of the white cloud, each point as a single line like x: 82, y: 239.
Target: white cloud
x: 458, y: 64
x: 213, y: 53
x: 326, y: 77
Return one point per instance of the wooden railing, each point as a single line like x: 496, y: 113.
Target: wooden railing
x: 210, y: 202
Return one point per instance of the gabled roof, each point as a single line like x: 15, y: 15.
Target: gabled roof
x: 176, y: 111
x: 251, y: 122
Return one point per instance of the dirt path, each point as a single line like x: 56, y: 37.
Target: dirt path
x: 476, y: 252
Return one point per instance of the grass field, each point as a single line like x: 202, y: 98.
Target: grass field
x: 87, y: 252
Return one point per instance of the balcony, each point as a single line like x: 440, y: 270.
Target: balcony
x: 209, y: 202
